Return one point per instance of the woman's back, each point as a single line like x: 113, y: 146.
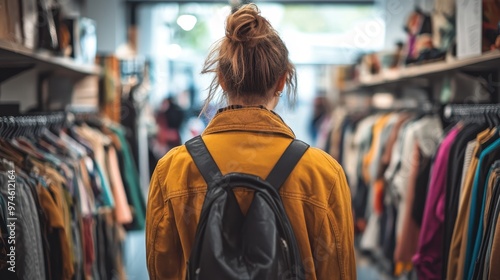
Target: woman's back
x: 251, y: 66
x: 251, y: 140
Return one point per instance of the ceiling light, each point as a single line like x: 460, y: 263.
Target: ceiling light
x: 186, y: 22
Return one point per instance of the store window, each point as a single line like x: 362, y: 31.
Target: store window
x: 177, y: 38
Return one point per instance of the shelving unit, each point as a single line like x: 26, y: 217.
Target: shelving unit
x: 485, y: 62
x: 14, y: 58
x: 42, y: 80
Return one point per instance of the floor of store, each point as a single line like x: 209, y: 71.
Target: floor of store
x: 135, y: 256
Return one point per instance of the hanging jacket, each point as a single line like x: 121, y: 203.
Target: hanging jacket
x: 316, y: 196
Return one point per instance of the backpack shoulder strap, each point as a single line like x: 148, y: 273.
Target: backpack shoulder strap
x: 286, y: 163
x: 203, y: 160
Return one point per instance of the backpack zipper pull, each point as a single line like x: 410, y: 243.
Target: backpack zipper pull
x: 286, y: 253
x: 285, y: 244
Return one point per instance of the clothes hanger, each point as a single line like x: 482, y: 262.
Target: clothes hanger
x: 12, y: 141
x: 33, y: 128
x: 496, y: 118
x: 2, y: 127
x: 7, y: 151
x: 8, y: 128
x: 492, y: 120
x: 486, y: 119
x: 49, y: 149
x: 21, y: 130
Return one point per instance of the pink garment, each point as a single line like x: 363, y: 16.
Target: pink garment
x: 428, y: 259
x: 122, y: 209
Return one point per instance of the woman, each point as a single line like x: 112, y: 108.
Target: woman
x: 251, y: 66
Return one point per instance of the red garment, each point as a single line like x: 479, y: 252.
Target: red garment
x: 428, y: 259
x: 88, y: 245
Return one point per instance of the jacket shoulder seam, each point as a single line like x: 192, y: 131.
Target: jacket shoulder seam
x: 185, y: 192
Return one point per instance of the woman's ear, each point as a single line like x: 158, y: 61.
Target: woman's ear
x: 281, y: 83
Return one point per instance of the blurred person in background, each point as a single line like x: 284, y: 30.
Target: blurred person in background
x: 320, y: 111
x: 169, y: 119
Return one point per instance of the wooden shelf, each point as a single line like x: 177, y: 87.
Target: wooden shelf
x: 487, y: 61
x: 13, y: 53
x: 350, y: 86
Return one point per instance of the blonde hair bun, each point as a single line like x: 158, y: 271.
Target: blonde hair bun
x: 246, y: 25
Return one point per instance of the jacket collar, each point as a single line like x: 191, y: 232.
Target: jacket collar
x: 248, y: 118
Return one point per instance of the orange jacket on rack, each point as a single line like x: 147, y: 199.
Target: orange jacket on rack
x: 316, y: 196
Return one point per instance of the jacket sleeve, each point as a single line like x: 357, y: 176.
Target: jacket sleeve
x: 334, y: 255
x: 162, y: 240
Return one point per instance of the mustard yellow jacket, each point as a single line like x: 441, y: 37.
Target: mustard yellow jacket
x: 316, y: 196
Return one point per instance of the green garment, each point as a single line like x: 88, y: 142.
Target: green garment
x: 131, y: 181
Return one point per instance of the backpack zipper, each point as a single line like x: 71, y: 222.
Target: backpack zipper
x: 286, y: 253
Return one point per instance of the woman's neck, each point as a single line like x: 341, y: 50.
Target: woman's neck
x: 270, y: 104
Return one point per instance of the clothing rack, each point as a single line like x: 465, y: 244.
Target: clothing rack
x: 452, y: 111
x: 82, y: 172
x: 31, y: 125
x: 420, y: 108
x: 473, y: 109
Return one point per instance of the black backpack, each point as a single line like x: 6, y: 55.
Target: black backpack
x: 230, y: 245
